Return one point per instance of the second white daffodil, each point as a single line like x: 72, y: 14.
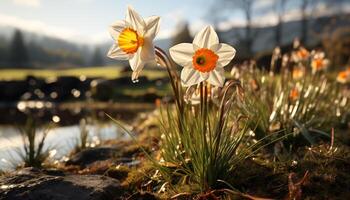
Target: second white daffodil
x: 204, y: 59
x: 134, y: 40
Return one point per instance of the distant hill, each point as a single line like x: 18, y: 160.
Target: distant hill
x: 50, y: 42
x: 59, y: 53
x: 49, y: 52
x: 264, y: 37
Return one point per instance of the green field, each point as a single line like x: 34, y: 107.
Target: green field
x: 109, y: 72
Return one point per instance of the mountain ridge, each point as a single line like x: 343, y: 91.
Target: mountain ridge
x: 264, y: 37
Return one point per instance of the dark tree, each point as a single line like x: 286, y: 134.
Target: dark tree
x: 247, y: 7
x: 183, y: 35
x: 18, y: 51
x: 3, y: 52
x: 97, y: 59
x: 304, y: 21
x: 280, y: 9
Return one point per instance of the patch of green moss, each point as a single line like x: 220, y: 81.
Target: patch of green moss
x: 329, y: 172
x: 118, y: 172
x: 137, y: 177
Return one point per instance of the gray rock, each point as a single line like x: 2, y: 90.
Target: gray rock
x: 33, y: 184
x: 91, y: 155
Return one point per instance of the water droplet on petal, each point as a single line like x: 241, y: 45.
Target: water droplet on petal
x: 135, y: 76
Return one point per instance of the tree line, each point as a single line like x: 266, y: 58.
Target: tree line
x: 21, y: 54
x: 247, y: 7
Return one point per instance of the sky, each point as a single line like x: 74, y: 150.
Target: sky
x: 87, y: 21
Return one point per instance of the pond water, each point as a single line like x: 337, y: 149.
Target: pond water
x: 61, y: 140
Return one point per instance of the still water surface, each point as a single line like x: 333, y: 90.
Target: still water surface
x: 61, y: 139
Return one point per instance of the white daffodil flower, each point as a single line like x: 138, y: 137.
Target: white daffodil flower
x: 319, y: 62
x: 134, y: 40
x: 204, y: 59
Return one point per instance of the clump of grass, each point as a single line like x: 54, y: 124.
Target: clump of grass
x: 296, y: 100
x: 34, y: 152
x: 201, y: 149
x: 83, y: 139
x: 208, y: 144
x: 201, y: 144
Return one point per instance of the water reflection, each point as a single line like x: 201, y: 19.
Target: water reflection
x: 23, y: 105
x: 62, y: 139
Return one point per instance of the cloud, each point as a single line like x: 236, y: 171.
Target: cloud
x: 271, y: 19
x: 29, y: 3
x: 169, y: 23
x: 228, y: 24
x: 198, y: 25
x: 173, y: 20
x: 100, y: 38
x: 40, y: 28
x: 166, y: 33
x: 263, y: 4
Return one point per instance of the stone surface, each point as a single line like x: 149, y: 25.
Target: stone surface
x: 91, y: 155
x: 33, y: 184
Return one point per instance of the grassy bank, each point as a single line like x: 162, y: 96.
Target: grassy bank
x: 107, y: 72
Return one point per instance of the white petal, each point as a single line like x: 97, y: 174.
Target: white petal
x: 190, y: 76
x: 206, y: 38
x: 182, y: 54
x: 117, y: 53
x: 135, y: 75
x: 136, y: 63
x: 225, y: 53
x: 152, y: 27
x: 135, y: 20
x: 147, y: 51
x: 204, y: 75
x: 217, y: 77
x: 116, y: 28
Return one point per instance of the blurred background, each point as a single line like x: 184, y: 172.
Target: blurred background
x: 53, y: 62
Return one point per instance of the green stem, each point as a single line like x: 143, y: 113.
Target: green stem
x: 175, y: 84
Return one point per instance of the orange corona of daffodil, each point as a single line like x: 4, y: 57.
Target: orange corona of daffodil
x: 204, y: 60
x: 129, y: 41
x: 294, y: 94
x: 344, y: 76
x: 254, y: 84
x: 297, y: 73
x: 158, y: 102
x: 303, y: 53
x: 319, y: 62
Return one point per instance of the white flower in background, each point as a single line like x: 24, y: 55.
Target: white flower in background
x: 204, y: 59
x: 319, y: 61
x: 134, y: 40
x: 301, y: 54
x: 344, y: 76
